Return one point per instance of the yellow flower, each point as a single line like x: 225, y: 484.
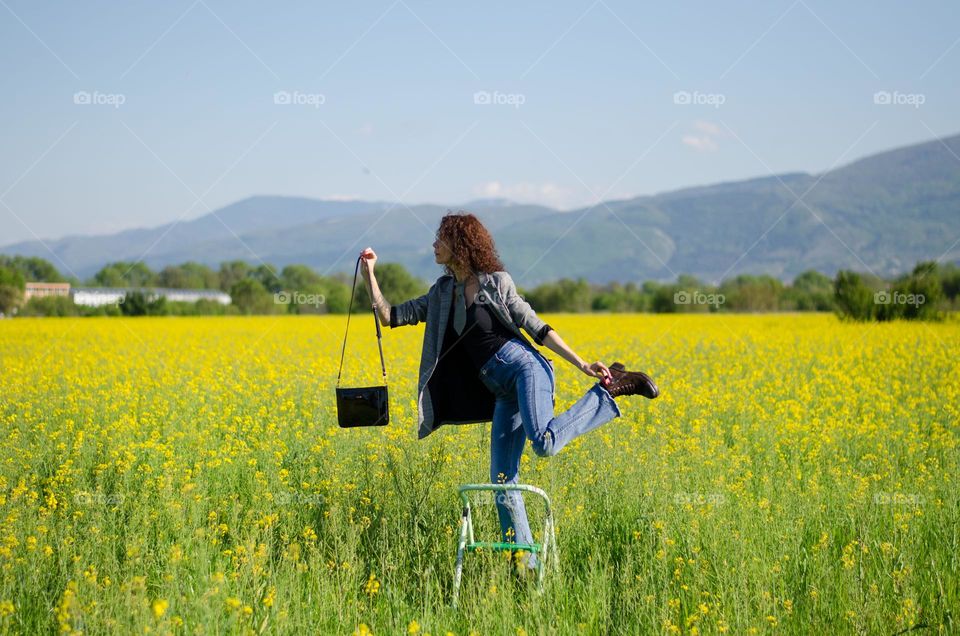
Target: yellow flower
x: 271, y: 596
x: 160, y: 607
x: 372, y: 585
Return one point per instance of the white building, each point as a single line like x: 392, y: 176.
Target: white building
x: 100, y: 296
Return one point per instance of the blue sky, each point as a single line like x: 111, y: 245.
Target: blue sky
x: 133, y: 114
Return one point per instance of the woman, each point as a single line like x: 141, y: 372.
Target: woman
x: 476, y: 365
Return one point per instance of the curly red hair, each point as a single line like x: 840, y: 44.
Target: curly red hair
x: 469, y: 241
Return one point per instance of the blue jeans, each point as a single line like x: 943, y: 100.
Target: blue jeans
x: 523, y: 383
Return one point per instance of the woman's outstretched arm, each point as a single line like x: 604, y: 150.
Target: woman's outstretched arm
x: 555, y: 343
x: 406, y: 313
x: 383, y: 307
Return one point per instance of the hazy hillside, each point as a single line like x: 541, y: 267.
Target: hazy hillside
x: 885, y: 212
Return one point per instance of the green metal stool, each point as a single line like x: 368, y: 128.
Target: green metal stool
x: 544, y: 550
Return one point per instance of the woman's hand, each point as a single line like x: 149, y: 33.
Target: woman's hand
x: 596, y: 370
x: 369, y: 260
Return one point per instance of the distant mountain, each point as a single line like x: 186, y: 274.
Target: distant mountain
x: 883, y: 212
x: 87, y: 254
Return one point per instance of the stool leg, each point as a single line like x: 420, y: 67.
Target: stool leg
x: 540, y: 568
x: 553, y: 545
x: 542, y: 562
x: 461, y: 546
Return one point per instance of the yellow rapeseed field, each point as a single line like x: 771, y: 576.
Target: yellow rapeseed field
x: 187, y: 476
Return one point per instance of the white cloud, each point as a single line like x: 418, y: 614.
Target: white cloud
x: 366, y: 130
x: 547, y: 193
x: 705, y: 140
x: 700, y: 144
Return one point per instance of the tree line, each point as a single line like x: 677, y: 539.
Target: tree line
x: 924, y: 293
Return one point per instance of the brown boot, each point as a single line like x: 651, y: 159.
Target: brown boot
x: 625, y: 382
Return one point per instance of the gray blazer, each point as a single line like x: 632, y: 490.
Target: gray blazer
x: 466, y: 400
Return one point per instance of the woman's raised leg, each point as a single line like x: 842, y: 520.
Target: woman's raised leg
x: 535, y: 385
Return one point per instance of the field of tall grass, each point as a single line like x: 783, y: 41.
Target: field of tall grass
x: 187, y: 476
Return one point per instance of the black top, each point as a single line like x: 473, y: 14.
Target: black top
x: 483, y: 334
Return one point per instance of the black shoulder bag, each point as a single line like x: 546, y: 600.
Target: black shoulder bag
x: 365, y: 405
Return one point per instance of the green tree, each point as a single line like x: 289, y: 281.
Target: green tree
x: 950, y: 282
x: 752, y: 293
x: 306, y: 290
x: 562, y: 295
x: 190, y: 275
x: 57, y: 306
x: 688, y: 295
x: 231, y: 273
x: 337, y: 296
x: 810, y: 291
x: 124, y: 274
x: 32, y: 268
x: 918, y: 295
x: 663, y: 298
x: 300, y: 277
x: 268, y: 277
x: 854, y: 299
x: 11, y: 290
x: 615, y: 297
x: 251, y: 297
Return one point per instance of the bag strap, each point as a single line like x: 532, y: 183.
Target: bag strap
x: 376, y: 319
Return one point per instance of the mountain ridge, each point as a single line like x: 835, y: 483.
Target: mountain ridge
x: 880, y: 213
